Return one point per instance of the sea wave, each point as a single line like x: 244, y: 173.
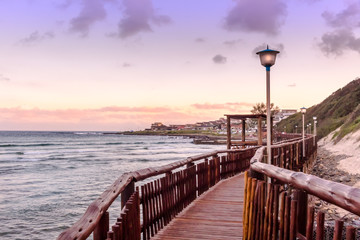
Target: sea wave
x: 114, y: 143
x: 88, y: 133
x: 29, y: 145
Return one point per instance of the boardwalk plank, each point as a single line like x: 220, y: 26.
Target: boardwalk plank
x: 217, y: 214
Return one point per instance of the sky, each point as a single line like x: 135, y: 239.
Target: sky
x: 113, y: 65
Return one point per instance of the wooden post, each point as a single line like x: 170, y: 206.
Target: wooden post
x: 350, y: 233
x: 310, y: 223
x: 320, y: 226
x: 272, y: 129
x: 275, y: 212
x: 338, y: 230
x: 302, y: 199
x: 293, y: 217
x: 259, y: 132
x: 243, y: 131
x: 125, y: 195
x: 100, y: 232
x: 228, y: 128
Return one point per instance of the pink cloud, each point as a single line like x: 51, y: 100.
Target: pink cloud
x: 133, y: 109
x: 223, y: 106
x: 112, y: 118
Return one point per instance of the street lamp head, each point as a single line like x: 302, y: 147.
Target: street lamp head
x: 267, y: 57
x: 314, y: 118
x: 303, y: 110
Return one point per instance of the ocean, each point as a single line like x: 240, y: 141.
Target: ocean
x: 47, y: 179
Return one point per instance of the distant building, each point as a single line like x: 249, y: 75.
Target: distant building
x: 283, y: 114
x: 190, y: 127
x: 174, y: 127
x: 288, y: 112
x: 216, y: 125
x: 158, y: 126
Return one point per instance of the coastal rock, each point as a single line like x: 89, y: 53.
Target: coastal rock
x: 345, y: 179
x: 326, y: 167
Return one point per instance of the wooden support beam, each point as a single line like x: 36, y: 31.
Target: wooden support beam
x: 243, y: 130
x: 259, y: 132
x: 272, y: 129
x: 228, y: 128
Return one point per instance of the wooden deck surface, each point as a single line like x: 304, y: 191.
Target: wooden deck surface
x: 217, y: 214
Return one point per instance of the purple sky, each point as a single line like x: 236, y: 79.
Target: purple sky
x: 123, y: 64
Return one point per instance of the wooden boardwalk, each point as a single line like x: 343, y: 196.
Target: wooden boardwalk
x: 217, y: 214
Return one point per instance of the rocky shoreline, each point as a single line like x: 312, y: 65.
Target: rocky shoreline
x: 325, y: 167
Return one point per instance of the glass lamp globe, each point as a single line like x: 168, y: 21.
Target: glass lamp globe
x: 267, y: 57
x: 303, y: 110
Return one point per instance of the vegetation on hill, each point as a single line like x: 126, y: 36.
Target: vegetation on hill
x: 341, y: 108
x: 260, y: 108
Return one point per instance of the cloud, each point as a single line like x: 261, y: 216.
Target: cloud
x: 200, y: 40
x: 92, y: 11
x: 292, y: 85
x: 338, y: 41
x: 235, y: 106
x: 341, y: 37
x: 36, y: 37
x: 4, y: 78
x: 349, y: 17
x: 310, y: 1
x: 276, y: 46
x: 64, y: 5
x: 134, y: 109
x: 256, y: 16
x: 219, y: 59
x: 126, y: 65
x: 139, y: 16
x: 114, y: 118
x: 111, y: 118
x: 232, y: 43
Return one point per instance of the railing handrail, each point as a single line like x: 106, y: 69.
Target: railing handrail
x: 339, y: 194
x: 92, y: 216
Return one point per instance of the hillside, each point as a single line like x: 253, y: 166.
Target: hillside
x: 340, y: 109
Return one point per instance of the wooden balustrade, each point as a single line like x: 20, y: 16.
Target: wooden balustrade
x: 127, y: 225
x: 276, y: 209
x: 279, y: 209
x: 159, y: 200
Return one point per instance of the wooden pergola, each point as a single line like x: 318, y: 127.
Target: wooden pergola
x: 243, y: 117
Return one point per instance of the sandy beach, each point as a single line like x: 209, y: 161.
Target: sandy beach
x: 338, y: 162
x: 349, y: 147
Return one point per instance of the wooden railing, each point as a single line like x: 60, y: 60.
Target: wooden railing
x: 276, y: 203
x: 151, y: 205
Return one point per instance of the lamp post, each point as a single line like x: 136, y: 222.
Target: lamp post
x: 314, y: 118
x: 303, y: 111
x: 295, y: 128
x: 309, y: 128
x: 267, y: 59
